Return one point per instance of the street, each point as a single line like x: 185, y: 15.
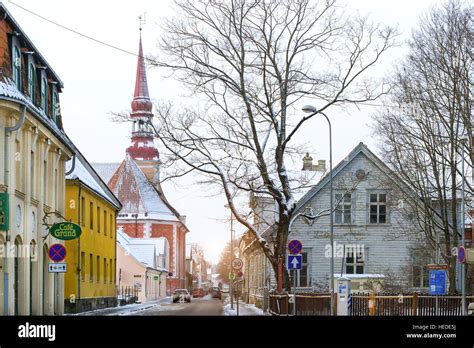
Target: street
x: 164, y: 306
x: 198, y: 306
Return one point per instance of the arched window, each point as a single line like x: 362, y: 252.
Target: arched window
x: 44, y: 95
x: 32, y: 82
x: 17, y: 67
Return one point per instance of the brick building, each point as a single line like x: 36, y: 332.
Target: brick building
x: 146, y: 212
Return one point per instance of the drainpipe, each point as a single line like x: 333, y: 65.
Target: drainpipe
x: 72, y: 169
x: 9, y: 130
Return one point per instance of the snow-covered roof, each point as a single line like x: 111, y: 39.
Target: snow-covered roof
x: 85, y: 173
x: 105, y: 170
x: 29, y: 43
x: 359, y: 276
x: 145, y: 253
x: 9, y: 90
x: 137, y: 194
x: 144, y: 250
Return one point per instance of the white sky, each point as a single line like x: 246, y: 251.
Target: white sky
x: 99, y: 80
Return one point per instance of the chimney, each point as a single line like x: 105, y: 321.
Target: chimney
x: 307, y: 162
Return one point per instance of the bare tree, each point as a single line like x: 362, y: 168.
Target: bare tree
x: 249, y: 62
x: 422, y: 138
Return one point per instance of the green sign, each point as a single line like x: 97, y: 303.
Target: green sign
x: 155, y: 278
x: 4, y: 211
x: 65, y: 231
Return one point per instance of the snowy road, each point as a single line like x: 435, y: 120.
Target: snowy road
x: 198, y: 306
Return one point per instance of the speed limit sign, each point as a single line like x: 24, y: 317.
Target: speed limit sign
x: 237, y: 263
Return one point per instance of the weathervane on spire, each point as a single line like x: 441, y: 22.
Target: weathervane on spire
x: 142, y: 20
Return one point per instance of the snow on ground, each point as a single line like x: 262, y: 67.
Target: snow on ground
x: 244, y: 309
x: 129, y: 309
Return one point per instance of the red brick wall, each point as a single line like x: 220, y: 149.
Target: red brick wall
x: 133, y: 230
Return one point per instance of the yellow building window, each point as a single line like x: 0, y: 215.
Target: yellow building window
x: 105, y: 222
x: 98, y: 269
x: 112, y: 226
x: 91, y: 215
x: 83, y: 211
x: 91, y: 269
x: 105, y: 270
x: 83, y: 266
x: 98, y: 219
x: 111, y: 271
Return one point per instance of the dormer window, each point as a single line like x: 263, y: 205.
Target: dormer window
x: 16, y: 67
x: 32, y: 82
x: 55, y: 107
x: 44, y: 94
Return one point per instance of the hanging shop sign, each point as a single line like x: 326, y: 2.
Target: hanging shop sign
x: 65, y: 230
x: 4, y: 211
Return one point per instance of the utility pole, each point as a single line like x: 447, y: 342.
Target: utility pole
x: 231, y: 280
x: 463, y: 231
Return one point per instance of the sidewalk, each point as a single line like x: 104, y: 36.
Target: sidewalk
x: 244, y: 309
x: 127, y: 309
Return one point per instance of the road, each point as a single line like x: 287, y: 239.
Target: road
x: 198, y: 306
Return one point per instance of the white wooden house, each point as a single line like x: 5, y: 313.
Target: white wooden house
x: 376, y: 239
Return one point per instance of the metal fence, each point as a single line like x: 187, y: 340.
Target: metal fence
x: 388, y: 304
x: 379, y: 304
x: 127, y: 294
x: 306, y: 304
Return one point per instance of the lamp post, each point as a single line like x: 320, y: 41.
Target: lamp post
x: 231, y: 290
x: 313, y: 111
x: 463, y: 229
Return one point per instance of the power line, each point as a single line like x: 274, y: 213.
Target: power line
x: 74, y: 31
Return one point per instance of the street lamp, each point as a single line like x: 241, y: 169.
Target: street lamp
x: 463, y: 229
x: 313, y: 111
x: 231, y: 290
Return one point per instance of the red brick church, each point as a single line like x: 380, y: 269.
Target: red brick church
x: 146, y: 212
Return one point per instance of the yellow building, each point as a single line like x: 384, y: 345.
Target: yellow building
x: 91, y: 259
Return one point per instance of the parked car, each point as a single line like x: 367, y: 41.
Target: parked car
x: 180, y: 295
x: 198, y: 292
x: 216, y: 293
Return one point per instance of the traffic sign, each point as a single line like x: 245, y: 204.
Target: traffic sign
x: 237, y: 263
x: 294, y: 262
x: 239, y: 274
x: 232, y: 275
x: 461, y: 254
x: 170, y: 274
x: 437, y: 282
x: 295, y: 246
x: 57, y: 252
x: 57, y: 267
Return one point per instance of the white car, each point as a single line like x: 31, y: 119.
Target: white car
x: 181, y: 295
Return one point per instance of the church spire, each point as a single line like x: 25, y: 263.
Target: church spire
x: 142, y: 147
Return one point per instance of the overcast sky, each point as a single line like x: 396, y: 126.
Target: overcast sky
x: 99, y: 80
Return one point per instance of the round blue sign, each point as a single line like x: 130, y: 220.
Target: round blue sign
x: 295, y: 246
x: 461, y: 254
x: 57, y: 252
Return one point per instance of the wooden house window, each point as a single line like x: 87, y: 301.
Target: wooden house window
x: 342, y: 215
x: 378, y: 208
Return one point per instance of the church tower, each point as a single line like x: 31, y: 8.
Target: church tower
x: 143, y: 149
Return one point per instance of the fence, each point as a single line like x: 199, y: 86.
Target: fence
x: 406, y: 304
x: 380, y: 304
x: 127, y: 294
x: 306, y: 304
